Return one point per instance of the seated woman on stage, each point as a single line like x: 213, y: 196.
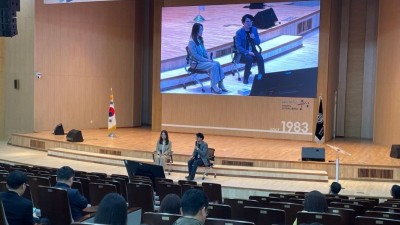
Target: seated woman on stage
x: 199, y: 53
x: 163, y: 149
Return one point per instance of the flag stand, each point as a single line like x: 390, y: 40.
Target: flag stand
x: 112, y: 135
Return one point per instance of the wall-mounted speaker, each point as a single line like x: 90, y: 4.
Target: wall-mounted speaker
x: 59, y: 130
x: 313, y: 154
x: 74, y: 136
x: 395, y: 151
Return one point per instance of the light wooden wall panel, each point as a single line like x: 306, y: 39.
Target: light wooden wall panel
x: 355, y: 68
x: 2, y: 88
x: 83, y: 50
x: 387, y: 95
x: 19, y: 64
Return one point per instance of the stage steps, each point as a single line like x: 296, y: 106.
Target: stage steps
x: 224, y: 170
x: 270, y: 49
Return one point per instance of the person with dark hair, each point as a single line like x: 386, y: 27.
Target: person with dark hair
x: 163, y: 149
x: 77, y: 202
x: 112, y: 210
x: 194, y: 208
x: 315, y: 201
x: 18, y: 210
x: 199, y: 156
x: 171, y: 204
x: 199, y: 53
x: 395, y: 191
x: 335, y: 188
x: 246, y: 40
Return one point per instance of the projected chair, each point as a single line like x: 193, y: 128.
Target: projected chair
x: 237, y: 58
x: 191, y: 68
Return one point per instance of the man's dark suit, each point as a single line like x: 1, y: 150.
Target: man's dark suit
x: 18, y: 209
x: 199, y: 158
x: 77, y: 202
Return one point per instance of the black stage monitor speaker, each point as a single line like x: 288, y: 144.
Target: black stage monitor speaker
x: 395, y: 152
x: 256, y: 6
x: 59, y: 130
x: 313, y: 154
x: 74, y: 136
x: 265, y: 19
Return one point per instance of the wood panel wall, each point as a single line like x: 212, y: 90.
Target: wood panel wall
x: 83, y: 50
x: 2, y: 88
x: 387, y: 95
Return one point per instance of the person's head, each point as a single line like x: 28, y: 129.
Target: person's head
x: 16, y: 181
x: 171, y: 203
x: 395, y: 191
x: 65, y: 175
x: 164, y: 136
x: 247, y: 21
x: 199, y: 137
x: 335, y: 188
x: 112, y: 210
x: 315, y: 202
x: 197, y: 33
x: 194, y: 204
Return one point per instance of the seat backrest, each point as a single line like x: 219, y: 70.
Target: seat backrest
x: 167, y: 188
x: 191, y: 182
x: 85, y: 186
x: 363, y: 220
x: 3, y: 186
x: 151, y: 218
x: 55, y: 205
x: 366, y: 203
x: 348, y: 215
x: 3, y: 177
x: 113, y: 182
x: 213, y: 192
x: 34, y: 182
x: 141, y: 195
x: 186, y: 187
x: 237, y: 206
x: 97, y: 191
x: 219, y: 211
x: 264, y: 200
x: 214, y: 221
x: 264, y: 216
x: 359, y: 209
x: 386, y: 209
x: 385, y: 215
x: 322, y: 218
x: 291, y: 210
x: 3, y: 219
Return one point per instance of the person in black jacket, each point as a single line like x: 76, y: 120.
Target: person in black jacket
x: 77, y: 202
x: 18, y: 210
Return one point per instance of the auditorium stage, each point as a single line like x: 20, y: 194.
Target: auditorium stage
x: 235, y: 156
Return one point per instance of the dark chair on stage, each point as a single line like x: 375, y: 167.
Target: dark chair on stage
x: 264, y: 216
x: 215, y: 221
x: 151, y: 218
x: 237, y: 58
x: 386, y: 215
x: 34, y: 182
x: 211, y: 161
x: 169, y: 160
x: 141, y: 195
x: 219, y: 211
x: 237, y: 206
x: 363, y: 220
x: 348, y: 215
x: 290, y: 209
x: 213, y: 192
x: 191, y: 69
x: 97, y: 191
x: 322, y: 218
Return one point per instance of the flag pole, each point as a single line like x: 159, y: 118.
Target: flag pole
x: 112, y: 122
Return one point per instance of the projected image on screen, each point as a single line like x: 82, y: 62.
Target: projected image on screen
x: 283, y: 37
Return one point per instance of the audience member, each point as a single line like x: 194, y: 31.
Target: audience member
x: 77, y: 202
x: 112, y: 210
x: 246, y: 40
x: 199, y: 53
x: 194, y: 208
x: 314, y: 202
x: 395, y: 191
x: 199, y: 156
x: 335, y: 188
x: 163, y: 149
x: 18, y: 210
x: 171, y: 204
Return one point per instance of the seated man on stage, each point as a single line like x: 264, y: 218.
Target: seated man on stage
x: 199, y: 156
x: 246, y: 40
